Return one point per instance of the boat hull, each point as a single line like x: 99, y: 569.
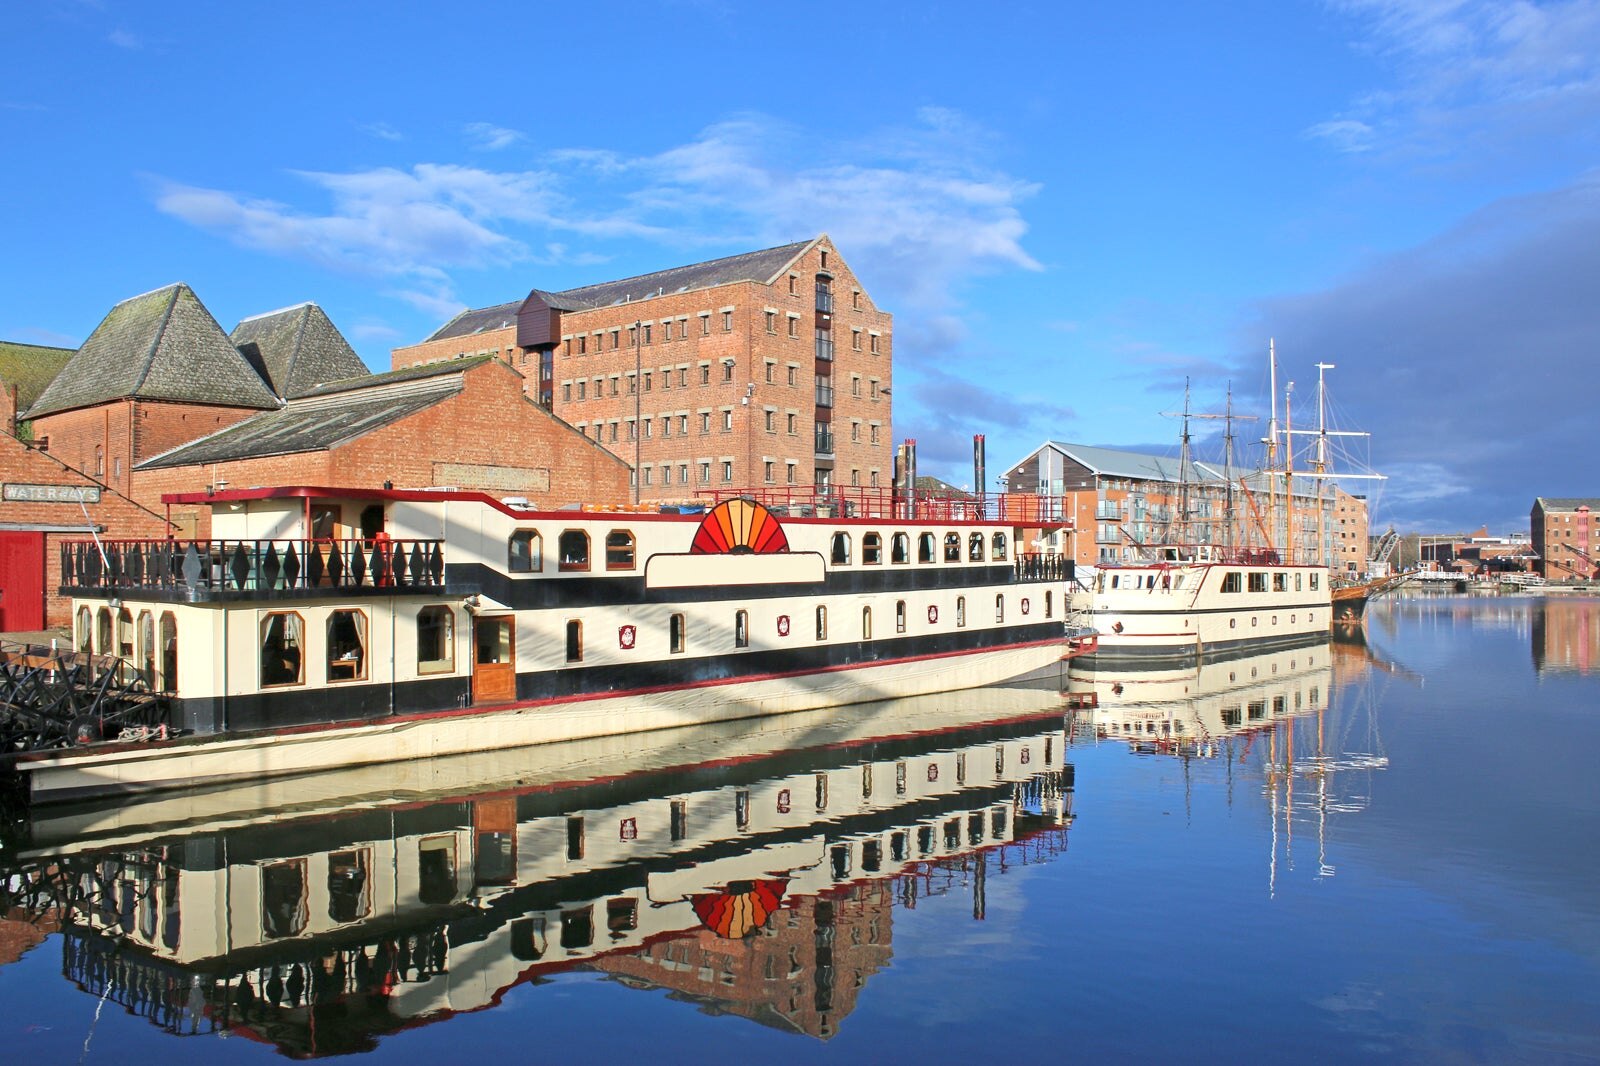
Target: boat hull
x: 55, y: 776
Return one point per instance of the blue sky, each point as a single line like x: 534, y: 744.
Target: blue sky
x: 1070, y: 208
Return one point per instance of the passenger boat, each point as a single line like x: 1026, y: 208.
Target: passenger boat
x: 331, y: 627
x: 666, y: 861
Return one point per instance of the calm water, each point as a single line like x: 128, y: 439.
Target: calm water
x: 1334, y: 854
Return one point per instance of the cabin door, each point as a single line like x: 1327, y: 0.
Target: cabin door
x: 494, y: 668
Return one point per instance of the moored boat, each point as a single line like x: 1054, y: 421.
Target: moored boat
x: 334, y: 627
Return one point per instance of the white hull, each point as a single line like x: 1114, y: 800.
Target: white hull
x: 74, y: 773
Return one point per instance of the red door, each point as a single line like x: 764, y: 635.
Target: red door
x: 21, y: 582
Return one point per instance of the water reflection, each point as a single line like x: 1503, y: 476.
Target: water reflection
x: 1565, y: 635
x: 754, y: 869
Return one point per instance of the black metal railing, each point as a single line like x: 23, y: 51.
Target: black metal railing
x: 252, y: 565
x: 1033, y: 566
x: 824, y: 441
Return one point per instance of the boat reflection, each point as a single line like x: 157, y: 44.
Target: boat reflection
x: 753, y: 870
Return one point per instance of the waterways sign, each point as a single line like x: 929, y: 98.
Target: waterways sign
x: 51, y: 493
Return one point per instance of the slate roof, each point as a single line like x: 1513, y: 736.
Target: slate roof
x: 163, y: 345
x: 296, y: 349
x: 1113, y: 462
x: 405, y: 373
x: 763, y: 266
x: 1567, y: 503
x: 30, y: 367
x: 319, y: 422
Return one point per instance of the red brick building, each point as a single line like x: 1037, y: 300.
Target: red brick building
x: 1566, y: 537
x: 770, y: 368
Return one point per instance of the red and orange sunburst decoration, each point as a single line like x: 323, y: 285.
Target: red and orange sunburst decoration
x: 739, y: 526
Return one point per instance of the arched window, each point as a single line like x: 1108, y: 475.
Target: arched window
x: 975, y: 548
x: 1047, y: 603
x: 125, y: 633
x: 822, y: 623
x: 997, y: 545
x: 866, y: 623
x: 899, y: 616
x: 871, y: 549
x: 347, y: 646
x: 282, y: 649
x: 619, y: 550
x: 436, y: 640
x: 102, y: 634
x: 900, y: 548
x: 741, y: 629
x: 952, y: 547
x: 574, y: 640
x: 147, y: 648
x: 677, y: 634
x: 169, y: 652
x: 1000, y: 607
x: 926, y: 546
x: 574, y: 545
x: 526, y: 552
x: 85, y: 630
x: 840, y: 555
x: 961, y: 611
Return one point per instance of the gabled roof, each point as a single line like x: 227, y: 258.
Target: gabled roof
x: 1567, y: 503
x: 1137, y: 466
x: 322, y: 421
x: 163, y: 345
x: 763, y: 266
x: 31, y: 368
x: 296, y: 349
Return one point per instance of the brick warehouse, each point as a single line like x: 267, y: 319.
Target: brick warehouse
x: 1566, y: 539
x: 770, y: 368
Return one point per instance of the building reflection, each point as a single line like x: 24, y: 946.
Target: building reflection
x: 761, y: 885
x: 1565, y: 635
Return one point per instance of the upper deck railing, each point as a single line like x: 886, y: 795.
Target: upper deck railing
x: 201, y: 568
x: 856, y: 501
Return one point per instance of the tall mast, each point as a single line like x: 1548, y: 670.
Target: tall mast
x: 1227, y: 470
x: 1320, y: 463
x: 1183, y: 472
x: 1288, y: 474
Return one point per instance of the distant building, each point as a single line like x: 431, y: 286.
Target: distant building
x: 769, y: 369
x: 1565, y: 538
x: 1119, y: 504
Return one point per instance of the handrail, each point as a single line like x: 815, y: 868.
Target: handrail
x: 252, y: 565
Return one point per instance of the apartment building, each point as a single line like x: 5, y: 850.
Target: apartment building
x: 761, y: 370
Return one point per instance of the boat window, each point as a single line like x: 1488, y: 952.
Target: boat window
x: 1297, y: 581
x: 1000, y: 607
x: 1233, y: 581
x: 741, y: 629
x: 961, y: 611
x: 1280, y: 582
x: 997, y: 544
x: 85, y: 630
x: 1114, y: 579
x: 899, y: 616
x: 574, y: 546
x: 436, y: 640
x: 866, y: 623
x: 619, y: 550
x: 102, y: 634
x: 975, y: 548
x: 324, y: 521
x: 283, y: 899
x: 574, y: 641
x: 282, y: 643
x: 1047, y: 603
x: 926, y: 545
x: 677, y: 634
x: 125, y: 633
x: 347, y: 646
x: 147, y: 648
x: 169, y: 652
x: 436, y: 870
x: 871, y: 549
x: 527, y: 552
x: 840, y: 555
x: 952, y: 547
x: 1313, y: 581
x: 1258, y: 582
x: 349, y: 887
x: 822, y: 623
x: 900, y: 548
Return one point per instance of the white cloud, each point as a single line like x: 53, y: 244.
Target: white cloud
x: 490, y: 138
x: 381, y: 130
x: 1346, y: 134
x: 1473, y: 72
x: 125, y: 39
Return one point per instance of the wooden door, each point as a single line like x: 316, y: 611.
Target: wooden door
x: 494, y: 667
x: 21, y: 582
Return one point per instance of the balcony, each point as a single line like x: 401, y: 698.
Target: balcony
x: 824, y: 438
x: 1044, y: 567
x: 825, y: 347
x: 824, y: 395
x: 250, y: 569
